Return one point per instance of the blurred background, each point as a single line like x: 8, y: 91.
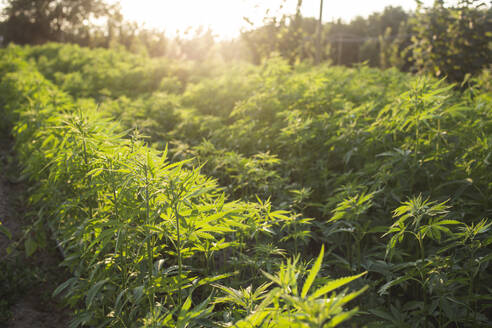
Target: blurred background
x: 445, y: 38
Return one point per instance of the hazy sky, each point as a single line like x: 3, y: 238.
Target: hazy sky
x: 225, y: 17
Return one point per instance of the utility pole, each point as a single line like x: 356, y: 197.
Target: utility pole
x: 318, y: 41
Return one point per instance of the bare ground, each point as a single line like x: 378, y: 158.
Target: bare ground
x: 31, y: 305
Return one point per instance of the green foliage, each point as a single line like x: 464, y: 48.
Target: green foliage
x: 453, y: 42
x: 144, y: 237
x: 313, y: 310
x: 5, y: 231
x: 427, y: 220
x: 391, y: 172
x: 450, y: 39
x: 36, y: 22
x: 443, y: 274
x: 101, y: 73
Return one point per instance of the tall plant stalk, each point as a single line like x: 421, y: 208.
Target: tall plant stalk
x: 178, y: 249
x: 150, y: 251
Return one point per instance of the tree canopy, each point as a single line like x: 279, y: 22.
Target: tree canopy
x: 39, y: 21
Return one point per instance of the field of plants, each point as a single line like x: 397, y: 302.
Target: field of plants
x: 204, y: 194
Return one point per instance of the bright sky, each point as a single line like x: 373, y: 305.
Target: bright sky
x: 225, y: 17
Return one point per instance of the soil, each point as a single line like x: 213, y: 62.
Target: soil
x: 31, y: 305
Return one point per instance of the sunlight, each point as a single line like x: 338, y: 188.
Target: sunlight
x: 203, y: 163
x: 226, y: 17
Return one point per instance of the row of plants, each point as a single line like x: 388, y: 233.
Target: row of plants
x: 345, y: 147
x: 100, y: 73
x: 393, y: 169
x: 152, y: 242
x: 352, y: 148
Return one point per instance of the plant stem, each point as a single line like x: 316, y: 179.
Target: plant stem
x: 150, y: 254
x: 421, y: 246
x: 178, y: 245
x: 424, y: 293
x: 86, y: 162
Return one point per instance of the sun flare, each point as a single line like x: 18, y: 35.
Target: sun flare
x: 226, y: 17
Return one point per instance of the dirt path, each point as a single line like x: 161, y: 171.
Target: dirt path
x: 26, y: 284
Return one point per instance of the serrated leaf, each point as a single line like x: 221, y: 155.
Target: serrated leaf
x: 334, y: 284
x: 313, y: 273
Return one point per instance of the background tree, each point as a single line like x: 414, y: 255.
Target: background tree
x: 291, y: 36
x: 452, y: 41
x: 39, y: 21
x: 442, y: 40
x: 362, y: 39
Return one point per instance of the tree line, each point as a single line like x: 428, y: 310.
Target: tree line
x: 452, y: 41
